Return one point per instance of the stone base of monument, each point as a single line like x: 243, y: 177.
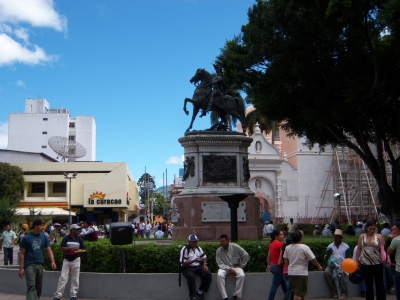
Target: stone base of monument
x: 208, y: 217
x: 216, y: 175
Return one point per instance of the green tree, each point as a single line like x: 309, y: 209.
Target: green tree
x: 8, y: 212
x: 327, y: 70
x: 146, y: 186
x: 161, y: 205
x: 12, y: 183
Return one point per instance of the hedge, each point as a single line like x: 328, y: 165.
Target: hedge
x: 103, y: 257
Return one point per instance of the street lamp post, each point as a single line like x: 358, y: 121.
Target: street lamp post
x: 69, y: 177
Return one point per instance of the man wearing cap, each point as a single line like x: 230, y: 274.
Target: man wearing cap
x: 32, y: 259
x: 70, y: 244
x: 334, y: 275
x: 231, y: 259
x: 194, y: 262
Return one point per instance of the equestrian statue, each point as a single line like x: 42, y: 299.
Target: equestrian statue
x: 209, y: 95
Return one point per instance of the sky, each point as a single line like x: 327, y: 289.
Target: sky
x: 126, y: 63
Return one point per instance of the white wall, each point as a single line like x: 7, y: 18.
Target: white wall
x: 86, y: 136
x: 31, y: 132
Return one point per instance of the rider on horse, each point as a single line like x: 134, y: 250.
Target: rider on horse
x: 218, y: 87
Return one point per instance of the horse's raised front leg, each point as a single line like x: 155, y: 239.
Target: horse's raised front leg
x: 184, y: 105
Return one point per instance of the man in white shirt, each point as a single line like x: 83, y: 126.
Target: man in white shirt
x: 291, y: 226
x: 194, y: 262
x: 231, y: 259
x: 270, y: 230
x: 340, y: 251
x: 148, y: 229
x: 159, y: 234
x: 142, y: 227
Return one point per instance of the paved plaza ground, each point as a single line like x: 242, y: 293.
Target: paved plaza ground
x: 21, y: 296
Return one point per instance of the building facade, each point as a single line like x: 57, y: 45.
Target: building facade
x: 100, y: 191
x: 30, y: 131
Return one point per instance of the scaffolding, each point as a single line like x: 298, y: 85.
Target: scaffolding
x: 352, y: 180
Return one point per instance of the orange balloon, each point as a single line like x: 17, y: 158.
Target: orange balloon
x: 349, y: 265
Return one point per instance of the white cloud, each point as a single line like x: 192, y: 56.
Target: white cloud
x: 174, y: 160
x: 12, y: 52
x: 3, y: 135
x: 38, y: 13
x: 20, y: 83
x: 14, y: 39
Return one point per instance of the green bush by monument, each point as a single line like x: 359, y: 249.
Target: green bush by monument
x: 103, y: 257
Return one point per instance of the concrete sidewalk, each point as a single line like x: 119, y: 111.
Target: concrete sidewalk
x: 22, y: 297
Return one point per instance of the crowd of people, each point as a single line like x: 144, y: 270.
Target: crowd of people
x: 145, y: 229
x: 287, y: 259
x: 376, y: 259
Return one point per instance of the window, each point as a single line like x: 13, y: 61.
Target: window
x: 38, y: 188
x: 71, y: 124
x: 44, y: 132
x: 71, y: 138
x: 44, y: 146
x: 59, y: 187
x: 45, y: 119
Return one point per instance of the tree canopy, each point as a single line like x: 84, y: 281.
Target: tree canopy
x: 327, y: 70
x: 161, y: 205
x: 12, y: 183
x: 146, y: 186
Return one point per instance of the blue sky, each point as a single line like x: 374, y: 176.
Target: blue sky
x: 126, y: 63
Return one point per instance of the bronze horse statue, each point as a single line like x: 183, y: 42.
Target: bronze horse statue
x: 223, y: 105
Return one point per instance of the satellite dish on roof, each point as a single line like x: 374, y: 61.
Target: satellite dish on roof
x: 68, y: 150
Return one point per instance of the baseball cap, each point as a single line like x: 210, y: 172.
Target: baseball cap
x: 36, y: 223
x: 193, y: 238
x: 75, y: 226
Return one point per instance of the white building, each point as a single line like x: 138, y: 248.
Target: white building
x: 31, y: 130
x: 290, y: 185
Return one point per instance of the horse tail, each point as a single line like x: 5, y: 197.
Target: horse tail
x: 240, y: 109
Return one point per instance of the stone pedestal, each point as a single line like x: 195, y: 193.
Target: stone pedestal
x: 215, y: 164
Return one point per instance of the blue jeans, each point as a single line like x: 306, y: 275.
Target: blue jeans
x: 362, y: 286
x: 148, y: 234
x: 277, y: 280
x: 397, y: 284
x: 8, y: 255
x: 388, y: 278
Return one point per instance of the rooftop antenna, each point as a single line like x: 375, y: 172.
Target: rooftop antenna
x: 66, y: 149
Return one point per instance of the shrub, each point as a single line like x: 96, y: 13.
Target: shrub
x: 103, y: 257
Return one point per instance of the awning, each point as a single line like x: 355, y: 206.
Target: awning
x: 47, y: 211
